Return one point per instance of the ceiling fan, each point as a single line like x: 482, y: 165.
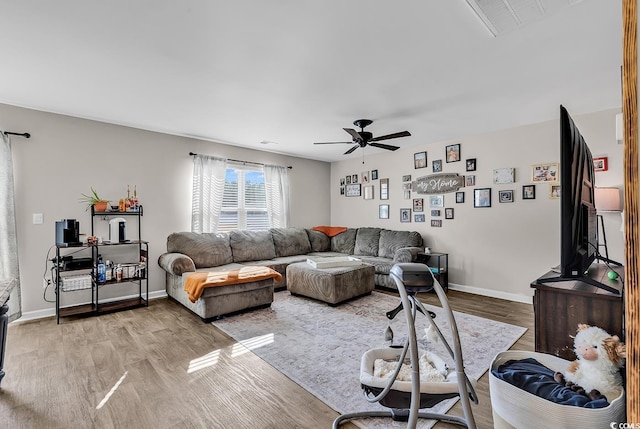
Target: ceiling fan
x: 363, y: 138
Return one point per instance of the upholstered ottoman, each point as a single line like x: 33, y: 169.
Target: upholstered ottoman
x: 331, y: 285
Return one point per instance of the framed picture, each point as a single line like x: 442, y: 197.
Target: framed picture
x: 407, y: 194
x: 554, y: 192
x: 505, y: 196
x: 436, y: 223
x: 459, y: 197
x: 448, y: 213
x: 482, y: 197
x: 418, y: 205
x: 374, y: 174
x: 437, y: 166
x: 435, y: 212
x: 354, y: 178
x: 545, y: 173
x: 420, y: 160
x: 601, y: 164
x: 406, y: 178
x: 470, y: 180
x: 348, y: 180
x: 418, y: 217
x: 383, y: 211
x: 365, y: 177
x: 384, y: 189
x: 529, y: 192
x: 405, y: 215
x: 342, y: 180
x: 436, y: 200
x: 353, y: 190
x: 453, y: 152
x: 341, y: 190
x: 471, y: 164
x: 368, y: 192
x: 504, y: 175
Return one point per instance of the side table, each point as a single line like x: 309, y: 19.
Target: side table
x: 438, y: 262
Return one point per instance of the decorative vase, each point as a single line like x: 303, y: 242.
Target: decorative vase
x: 100, y: 206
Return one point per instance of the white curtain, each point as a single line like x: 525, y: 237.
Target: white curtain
x: 9, y: 271
x: 276, y: 179
x: 208, y: 189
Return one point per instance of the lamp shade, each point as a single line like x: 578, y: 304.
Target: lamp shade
x: 607, y: 200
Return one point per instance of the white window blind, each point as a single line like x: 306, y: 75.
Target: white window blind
x: 244, y: 203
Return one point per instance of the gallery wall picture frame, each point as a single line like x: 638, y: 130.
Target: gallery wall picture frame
x: 406, y: 178
x: 436, y: 200
x: 452, y: 152
x: 545, y: 173
x: 341, y: 190
x: 437, y: 165
x: 368, y: 192
x: 437, y: 223
x: 353, y: 190
x: 504, y: 175
x: 470, y: 180
x: 383, y: 211
x: 554, y: 192
x: 482, y: 197
x: 418, y: 205
x: 374, y: 174
x: 529, y: 192
x: 448, y: 213
x: 364, y: 177
x: 435, y: 212
x: 354, y: 178
x: 342, y: 181
x: 505, y: 196
x: 384, y: 189
x: 348, y: 179
x: 459, y: 197
x: 471, y: 164
x: 601, y: 163
x: 405, y: 215
x: 419, y: 160
x: 418, y: 217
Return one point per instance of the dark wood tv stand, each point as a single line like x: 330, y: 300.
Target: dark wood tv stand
x: 559, y: 307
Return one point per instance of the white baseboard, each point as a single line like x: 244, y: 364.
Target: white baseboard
x: 51, y: 312
x: 492, y: 293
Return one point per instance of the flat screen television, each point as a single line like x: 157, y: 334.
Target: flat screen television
x: 578, y: 219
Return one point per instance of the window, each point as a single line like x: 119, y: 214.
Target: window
x: 244, y: 203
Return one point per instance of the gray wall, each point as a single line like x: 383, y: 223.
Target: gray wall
x: 494, y: 251
x: 66, y: 156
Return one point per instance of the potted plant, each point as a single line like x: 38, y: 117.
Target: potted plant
x: 99, y: 204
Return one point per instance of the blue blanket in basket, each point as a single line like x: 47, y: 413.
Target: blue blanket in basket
x: 535, y: 378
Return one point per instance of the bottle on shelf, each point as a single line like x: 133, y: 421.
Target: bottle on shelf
x: 109, y: 273
x: 102, y: 270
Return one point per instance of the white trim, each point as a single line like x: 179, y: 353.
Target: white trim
x: 492, y: 293
x: 51, y: 312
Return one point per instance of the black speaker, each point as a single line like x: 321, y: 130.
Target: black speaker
x: 68, y: 232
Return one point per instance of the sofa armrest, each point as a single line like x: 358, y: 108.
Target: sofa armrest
x: 176, y: 263
x: 407, y: 254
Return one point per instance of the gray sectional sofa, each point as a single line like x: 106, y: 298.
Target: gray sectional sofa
x: 276, y: 248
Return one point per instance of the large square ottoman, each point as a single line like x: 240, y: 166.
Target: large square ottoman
x: 330, y: 285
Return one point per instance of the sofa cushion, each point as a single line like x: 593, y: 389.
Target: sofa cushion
x: 390, y: 241
x: 367, y: 240
x: 206, y: 249
x: 251, y: 245
x: 344, y: 242
x: 320, y: 242
x: 290, y: 241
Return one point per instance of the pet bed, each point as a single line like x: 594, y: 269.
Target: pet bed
x: 516, y: 408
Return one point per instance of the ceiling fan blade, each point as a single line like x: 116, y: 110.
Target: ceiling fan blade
x: 353, y: 133
x: 352, y: 149
x: 391, y: 136
x: 384, y: 146
x: 334, y: 143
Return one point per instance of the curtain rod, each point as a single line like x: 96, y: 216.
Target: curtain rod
x: 25, y: 135
x: 242, y: 162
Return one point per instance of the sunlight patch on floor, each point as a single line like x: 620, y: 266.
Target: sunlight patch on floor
x: 205, y: 361
x: 112, y: 391
x: 252, y: 343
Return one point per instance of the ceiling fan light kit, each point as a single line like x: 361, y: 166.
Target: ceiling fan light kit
x: 363, y: 138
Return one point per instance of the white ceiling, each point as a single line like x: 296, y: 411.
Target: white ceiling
x: 296, y: 72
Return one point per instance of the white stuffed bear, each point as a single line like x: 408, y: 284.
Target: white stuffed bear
x: 597, y: 369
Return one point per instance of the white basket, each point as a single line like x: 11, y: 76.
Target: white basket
x: 516, y: 408
x: 82, y: 281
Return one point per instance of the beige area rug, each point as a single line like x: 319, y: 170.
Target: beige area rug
x: 320, y: 347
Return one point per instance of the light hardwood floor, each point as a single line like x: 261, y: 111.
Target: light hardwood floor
x: 161, y: 367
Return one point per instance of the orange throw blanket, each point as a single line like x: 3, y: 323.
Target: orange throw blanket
x: 330, y: 230
x: 195, y: 283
